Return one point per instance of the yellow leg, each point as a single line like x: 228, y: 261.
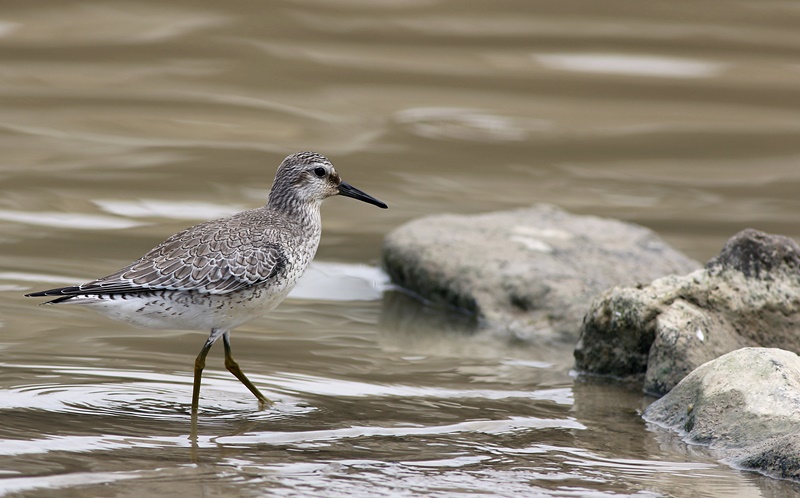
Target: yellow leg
x: 199, y: 365
x: 233, y: 368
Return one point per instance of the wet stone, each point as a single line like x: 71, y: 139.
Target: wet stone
x: 749, y: 295
x: 530, y: 273
x: 744, y: 405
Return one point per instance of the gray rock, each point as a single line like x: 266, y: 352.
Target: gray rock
x: 529, y: 273
x: 749, y: 295
x: 744, y: 405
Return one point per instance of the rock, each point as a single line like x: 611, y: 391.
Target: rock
x: 529, y: 273
x: 749, y: 295
x: 744, y: 405
x: 757, y: 254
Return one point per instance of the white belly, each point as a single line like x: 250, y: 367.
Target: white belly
x: 185, y: 310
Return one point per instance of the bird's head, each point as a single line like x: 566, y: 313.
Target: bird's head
x: 310, y: 178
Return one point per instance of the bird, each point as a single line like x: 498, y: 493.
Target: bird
x: 223, y: 273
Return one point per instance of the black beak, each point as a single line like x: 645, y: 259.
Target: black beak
x: 348, y: 190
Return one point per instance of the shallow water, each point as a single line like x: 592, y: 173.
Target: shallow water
x: 121, y: 123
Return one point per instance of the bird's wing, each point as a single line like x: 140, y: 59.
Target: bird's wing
x: 207, y: 258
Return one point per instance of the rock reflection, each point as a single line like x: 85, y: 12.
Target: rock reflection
x: 408, y: 324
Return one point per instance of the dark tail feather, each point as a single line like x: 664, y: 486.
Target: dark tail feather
x: 65, y: 294
x: 61, y: 291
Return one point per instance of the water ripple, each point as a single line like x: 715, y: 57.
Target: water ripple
x: 140, y: 394
x: 58, y: 481
x: 161, y: 208
x: 469, y: 124
x: 631, y: 65
x: 80, y: 221
x: 587, y: 459
x: 461, y: 478
x: 503, y: 426
x: 156, y: 395
x: 345, y: 388
x: 97, y: 22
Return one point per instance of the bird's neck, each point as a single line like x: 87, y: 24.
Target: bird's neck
x: 292, y: 207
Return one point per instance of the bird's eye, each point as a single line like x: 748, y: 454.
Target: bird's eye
x: 319, y: 171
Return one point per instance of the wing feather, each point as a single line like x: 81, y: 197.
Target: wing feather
x: 210, y: 259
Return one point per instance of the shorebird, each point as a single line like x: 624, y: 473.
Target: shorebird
x: 223, y: 273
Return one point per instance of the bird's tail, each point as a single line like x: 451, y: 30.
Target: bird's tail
x: 64, y: 293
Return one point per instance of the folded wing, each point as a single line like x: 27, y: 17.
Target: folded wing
x: 202, y: 260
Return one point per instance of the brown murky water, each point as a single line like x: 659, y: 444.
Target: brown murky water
x: 122, y: 122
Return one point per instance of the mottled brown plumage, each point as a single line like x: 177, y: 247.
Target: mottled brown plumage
x: 222, y: 273
x: 216, y: 257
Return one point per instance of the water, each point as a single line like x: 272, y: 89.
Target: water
x: 121, y: 123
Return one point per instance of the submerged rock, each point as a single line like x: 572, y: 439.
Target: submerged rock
x: 744, y: 405
x: 531, y: 272
x: 749, y: 295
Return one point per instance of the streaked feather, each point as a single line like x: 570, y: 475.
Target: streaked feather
x: 216, y: 257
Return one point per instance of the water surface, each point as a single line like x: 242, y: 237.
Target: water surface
x: 123, y: 122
